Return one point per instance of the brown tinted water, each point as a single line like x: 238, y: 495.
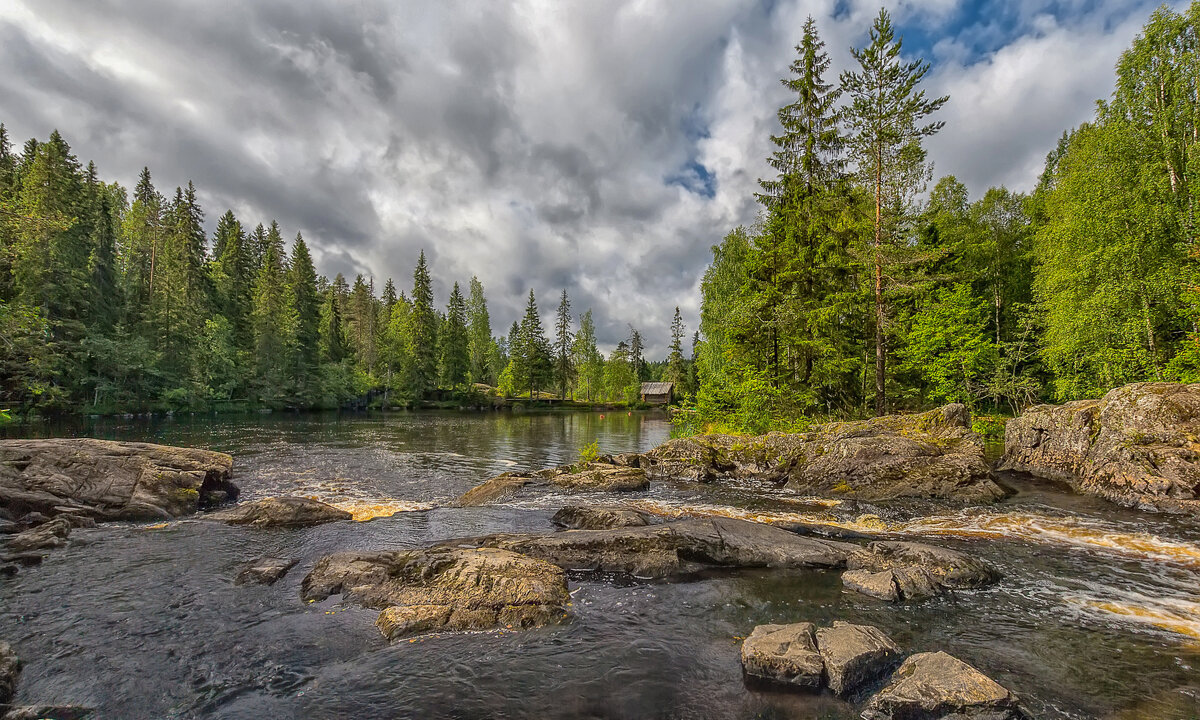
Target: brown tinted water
x: 1097, y: 616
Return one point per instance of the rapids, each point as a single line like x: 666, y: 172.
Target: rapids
x: 1098, y: 614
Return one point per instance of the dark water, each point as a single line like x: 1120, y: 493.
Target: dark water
x: 1098, y: 615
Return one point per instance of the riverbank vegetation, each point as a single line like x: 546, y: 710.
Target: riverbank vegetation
x: 111, y: 304
x: 863, y: 290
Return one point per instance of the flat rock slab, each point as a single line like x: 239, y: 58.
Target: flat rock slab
x: 108, y: 480
x: 674, y: 549
x: 936, y: 685
x: 49, y: 712
x: 855, y: 655
x: 951, y: 569
x: 46, y: 536
x: 264, y: 571
x: 599, y: 517
x: 281, y: 512
x: 785, y: 654
x: 1138, y: 446
x: 444, y: 589
x: 895, y: 585
x: 932, y: 455
x: 10, y: 671
x: 586, y: 477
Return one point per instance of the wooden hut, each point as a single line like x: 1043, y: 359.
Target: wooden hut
x: 658, y: 393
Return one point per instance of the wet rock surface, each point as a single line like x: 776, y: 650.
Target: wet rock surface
x: 585, y: 477
x: 1138, y: 446
x: 281, y: 512
x: 898, y: 570
x: 10, y: 672
x: 443, y: 589
x: 934, y: 685
x: 49, y: 712
x: 47, y: 536
x: 599, y: 517
x: 932, y: 455
x: 106, y: 480
x: 674, y: 549
x: 264, y: 571
x: 855, y: 655
x: 785, y: 654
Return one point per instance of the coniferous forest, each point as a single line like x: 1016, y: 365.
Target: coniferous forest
x: 867, y: 286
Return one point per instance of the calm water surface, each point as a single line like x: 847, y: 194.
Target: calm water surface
x: 1098, y: 615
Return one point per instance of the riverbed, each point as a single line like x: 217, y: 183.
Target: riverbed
x: 1098, y: 614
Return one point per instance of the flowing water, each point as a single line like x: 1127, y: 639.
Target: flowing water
x: 1098, y: 614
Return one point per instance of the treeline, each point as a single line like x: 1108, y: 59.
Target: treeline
x: 857, y: 292
x: 109, y: 304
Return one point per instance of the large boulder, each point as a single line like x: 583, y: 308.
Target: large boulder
x: 584, y: 477
x: 900, y: 570
x: 599, y: 517
x: 1138, y: 446
x: 784, y: 654
x: 934, y: 685
x: 443, y: 589
x: 107, y: 480
x: 855, y: 655
x: 281, y: 512
x: 10, y: 671
x: 929, y: 455
x: 674, y: 549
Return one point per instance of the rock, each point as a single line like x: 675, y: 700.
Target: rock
x: 598, y: 517
x: 107, y: 480
x: 9, y: 527
x: 281, y: 512
x: 784, y: 654
x: 950, y: 568
x: 906, y: 583
x: 46, y: 536
x: 49, y: 712
x: 443, y: 589
x: 589, y: 477
x: 931, y: 455
x: 265, y: 570
x: 10, y: 670
x: 1138, y: 446
x: 673, y: 549
x: 855, y: 655
x: 936, y: 685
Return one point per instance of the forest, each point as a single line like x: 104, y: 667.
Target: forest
x: 866, y: 287
x: 109, y: 305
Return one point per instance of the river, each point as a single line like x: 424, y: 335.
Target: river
x: 1098, y: 614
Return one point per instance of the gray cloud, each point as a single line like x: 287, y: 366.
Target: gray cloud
x: 533, y: 143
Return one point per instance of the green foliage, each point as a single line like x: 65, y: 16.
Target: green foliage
x: 949, y: 348
x: 588, y: 453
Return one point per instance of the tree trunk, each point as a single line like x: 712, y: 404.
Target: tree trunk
x: 880, y: 349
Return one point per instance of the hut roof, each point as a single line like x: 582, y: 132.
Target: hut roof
x: 657, y: 388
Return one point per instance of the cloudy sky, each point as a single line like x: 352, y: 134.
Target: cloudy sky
x: 601, y: 147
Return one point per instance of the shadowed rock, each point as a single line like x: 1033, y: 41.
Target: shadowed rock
x: 108, y: 480
x: 281, y: 512
x: 673, y: 549
x: 588, y: 477
x: 264, y: 571
x: 785, y: 654
x: 599, y: 517
x: 1138, y: 446
x: 855, y: 655
x: 10, y: 671
x: 46, y: 536
x: 907, y: 583
x: 49, y: 712
x: 894, y: 571
x: 936, y: 685
x: 443, y: 589
x: 930, y: 455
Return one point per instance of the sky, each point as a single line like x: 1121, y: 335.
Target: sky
x: 601, y: 147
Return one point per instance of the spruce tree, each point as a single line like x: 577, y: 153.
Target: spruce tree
x: 456, y: 359
x: 587, y: 358
x: 306, y: 306
x: 479, y: 334
x: 564, y: 338
x: 422, y: 334
x: 676, y: 366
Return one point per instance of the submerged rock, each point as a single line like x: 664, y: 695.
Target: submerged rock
x: 442, y: 589
x: 49, y: 712
x: 265, y: 570
x: 288, y: 512
x: 673, y: 549
x: 10, y: 671
x: 1138, y: 446
x: 785, y: 654
x: 599, y: 517
x: 896, y: 570
x: 931, y: 455
x: 587, y: 477
x: 855, y: 655
x: 936, y: 685
x: 107, y: 480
